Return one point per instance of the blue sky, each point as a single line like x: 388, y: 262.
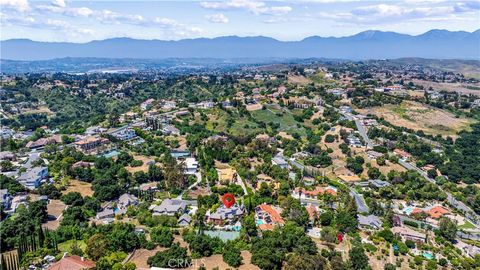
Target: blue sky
x: 83, y: 21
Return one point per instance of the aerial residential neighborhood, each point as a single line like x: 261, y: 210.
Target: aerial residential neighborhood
x: 240, y: 134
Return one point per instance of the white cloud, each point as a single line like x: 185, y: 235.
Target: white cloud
x: 67, y: 11
x: 59, y: 3
x: 255, y: 7
x: 17, y: 5
x: 388, y: 13
x: 217, y: 18
x: 51, y: 24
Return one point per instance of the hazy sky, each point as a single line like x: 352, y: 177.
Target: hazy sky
x: 82, y: 21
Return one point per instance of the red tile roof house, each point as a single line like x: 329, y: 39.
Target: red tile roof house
x: 313, y: 194
x: 73, y: 262
x: 269, y: 216
x: 402, y: 154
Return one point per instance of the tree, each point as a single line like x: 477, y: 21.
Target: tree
x: 447, y: 228
x: 174, y: 257
x: 326, y: 218
x: 6, y: 166
x: 232, y: 255
x: 305, y: 261
x: 97, y: 246
x: 389, y: 266
x: 294, y: 211
x: 162, y: 236
x: 358, y: 258
x: 249, y: 227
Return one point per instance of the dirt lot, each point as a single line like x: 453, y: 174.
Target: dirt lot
x: 217, y: 261
x: 451, y: 87
x: 298, y: 79
x: 254, y: 107
x: 140, y: 256
x: 54, y: 209
x: 143, y: 168
x: 84, y: 188
x: 418, y: 116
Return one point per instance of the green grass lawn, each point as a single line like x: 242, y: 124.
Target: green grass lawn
x: 467, y: 225
x: 66, y: 246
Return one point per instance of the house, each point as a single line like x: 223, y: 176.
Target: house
x: 437, y: 212
x: 379, y: 183
x: 169, y: 105
x: 32, y: 178
x: 82, y: 164
x: 373, y: 154
x: 313, y: 194
x: 126, y: 200
x: 402, y: 154
x: 224, y: 214
x: 170, y: 207
x: 369, y: 222
x: 42, y: 142
x: 125, y: 134
x: 72, y: 262
x: 90, y: 143
x: 191, y: 165
x: 106, y: 213
x: 267, y: 217
x: 149, y: 187
x: 184, y: 220
x: 280, y: 161
x: 147, y: 104
x: 312, y: 212
x: 5, y: 198
x: 170, y: 130
x: 407, y: 233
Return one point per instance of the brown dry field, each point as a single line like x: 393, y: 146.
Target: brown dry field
x: 254, y: 107
x: 84, y: 188
x: 417, y: 116
x: 140, y: 257
x: 450, y: 87
x: 143, y: 168
x: 54, y: 210
x: 298, y: 79
x: 217, y: 261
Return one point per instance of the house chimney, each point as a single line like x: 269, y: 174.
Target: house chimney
x: 82, y: 258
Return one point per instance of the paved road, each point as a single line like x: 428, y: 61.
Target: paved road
x: 460, y: 206
x: 242, y: 184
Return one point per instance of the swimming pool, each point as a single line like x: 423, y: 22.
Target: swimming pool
x: 428, y: 255
x: 408, y: 210
x: 259, y: 222
x: 111, y: 154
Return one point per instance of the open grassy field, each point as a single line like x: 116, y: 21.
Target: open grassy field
x: 277, y: 115
x: 418, y: 116
x: 84, y: 188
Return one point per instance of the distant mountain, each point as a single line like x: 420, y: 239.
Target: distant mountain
x: 436, y: 44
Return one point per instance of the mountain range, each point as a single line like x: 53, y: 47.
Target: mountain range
x: 436, y: 44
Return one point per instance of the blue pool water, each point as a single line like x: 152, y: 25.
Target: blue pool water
x: 408, y: 210
x: 259, y: 222
x: 111, y: 154
x: 428, y: 255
